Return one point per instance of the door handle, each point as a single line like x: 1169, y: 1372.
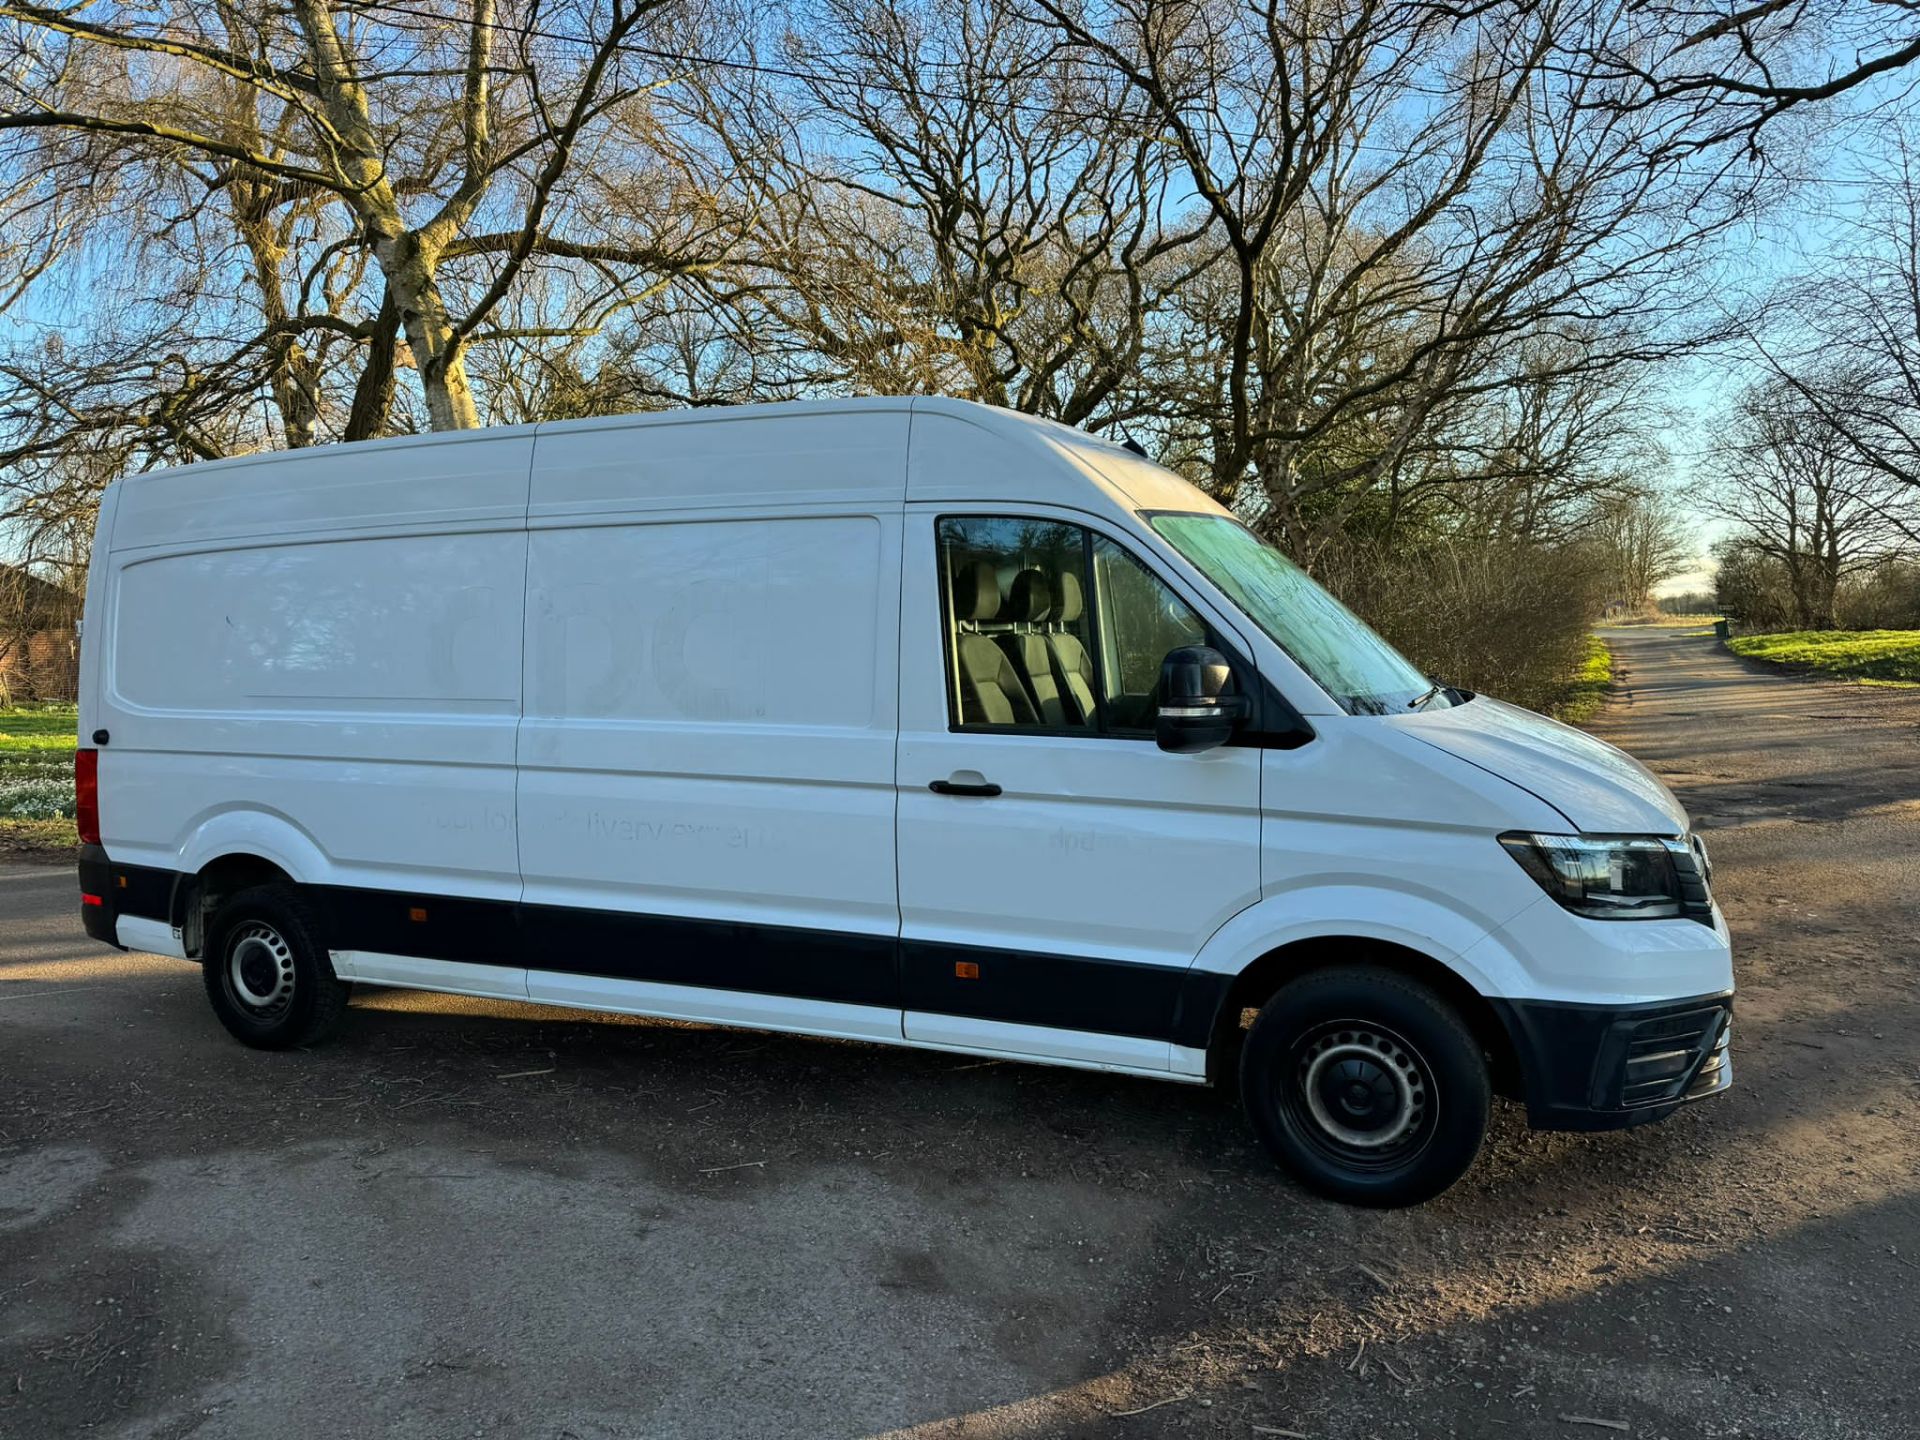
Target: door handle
x: 975, y: 786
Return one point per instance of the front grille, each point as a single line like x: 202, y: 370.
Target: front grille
x: 1678, y: 1056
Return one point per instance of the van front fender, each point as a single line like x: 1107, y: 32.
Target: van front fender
x: 1427, y: 925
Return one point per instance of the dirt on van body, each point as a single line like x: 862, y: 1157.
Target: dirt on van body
x: 463, y: 1218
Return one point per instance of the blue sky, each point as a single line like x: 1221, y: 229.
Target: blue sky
x: 1797, y: 241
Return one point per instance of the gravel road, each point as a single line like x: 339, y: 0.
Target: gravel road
x: 463, y: 1218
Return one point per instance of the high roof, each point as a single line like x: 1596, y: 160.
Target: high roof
x: 831, y: 451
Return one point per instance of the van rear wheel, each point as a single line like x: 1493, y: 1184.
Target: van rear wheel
x: 1366, y: 1086
x: 267, y: 972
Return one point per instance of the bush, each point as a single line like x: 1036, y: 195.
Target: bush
x: 1503, y: 618
x: 1753, y: 589
x: 1756, y: 594
x: 1885, y: 598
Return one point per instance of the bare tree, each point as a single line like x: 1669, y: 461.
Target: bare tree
x: 465, y: 145
x: 46, y: 532
x: 1545, y: 458
x: 1414, y: 206
x: 1644, y: 541
x: 1757, y: 62
x: 1800, y: 498
x: 980, y: 198
x: 1851, y: 354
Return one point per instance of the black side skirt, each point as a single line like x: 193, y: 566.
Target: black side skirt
x: 1067, y: 992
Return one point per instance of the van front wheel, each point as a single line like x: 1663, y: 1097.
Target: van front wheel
x: 267, y: 972
x: 1366, y: 1086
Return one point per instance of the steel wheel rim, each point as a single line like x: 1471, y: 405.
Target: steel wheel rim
x: 259, y: 969
x: 1360, y: 1094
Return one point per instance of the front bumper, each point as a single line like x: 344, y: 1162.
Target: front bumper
x: 1604, y: 1067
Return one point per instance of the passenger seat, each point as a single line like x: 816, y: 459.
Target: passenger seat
x: 990, y: 692
x: 1031, y: 603
x: 1070, y: 659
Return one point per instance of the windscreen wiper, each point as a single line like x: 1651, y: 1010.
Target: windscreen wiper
x: 1432, y: 691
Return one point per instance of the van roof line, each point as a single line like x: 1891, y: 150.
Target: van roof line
x: 992, y: 417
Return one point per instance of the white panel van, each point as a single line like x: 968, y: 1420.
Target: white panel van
x: 907, y: 721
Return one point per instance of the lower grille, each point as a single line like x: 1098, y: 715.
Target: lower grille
x: 1673, y: 1057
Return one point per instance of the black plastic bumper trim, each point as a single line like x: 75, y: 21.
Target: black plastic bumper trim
x: 96, y: 878
x: 144, y: 891
x: 1606, y: 1067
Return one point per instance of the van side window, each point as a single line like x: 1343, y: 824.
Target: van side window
x: 1018, y: 633
x: 1053, y: 628
x: 1140, y: 621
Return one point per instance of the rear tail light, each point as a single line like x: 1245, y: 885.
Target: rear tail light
x: 86, y: 795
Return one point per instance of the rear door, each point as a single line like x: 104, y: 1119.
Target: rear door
x: 1058, y: 870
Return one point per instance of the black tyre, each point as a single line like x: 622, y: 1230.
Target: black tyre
x: 1366, y: 1086
x: 267, y: 971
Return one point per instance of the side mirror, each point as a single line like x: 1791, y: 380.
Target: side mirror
x: 1199, y: 704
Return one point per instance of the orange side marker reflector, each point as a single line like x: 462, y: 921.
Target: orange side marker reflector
x: 966, y: 970
x: 416, y: 913
x: 86, y: 899
x: 121, y: 881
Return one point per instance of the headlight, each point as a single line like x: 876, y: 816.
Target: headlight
x: 1607, y: 877
x: 1701, y: 858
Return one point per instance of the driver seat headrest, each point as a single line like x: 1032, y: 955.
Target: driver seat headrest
x: 976, y: 591
x: 1072, y: 603
x: 1031, y: 600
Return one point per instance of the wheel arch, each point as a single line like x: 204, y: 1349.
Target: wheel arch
x: 1250, y: 989
x: 232, y: 849
x: 262, y: 833
x: 197, y: 896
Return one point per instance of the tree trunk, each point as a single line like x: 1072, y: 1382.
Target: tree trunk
x: 373, y: 394
x: 1797, y: 589
x: 407, y: 265
x: 436, y: 350
x: 1826, y: 580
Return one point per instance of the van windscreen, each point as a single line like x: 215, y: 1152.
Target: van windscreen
x: 1365, y: 674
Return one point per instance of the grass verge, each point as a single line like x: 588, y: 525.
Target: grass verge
x: 38, y: 840
x: 38, y: 726
x: 1586, y: 692
x: 1886, y: 657
x: 36, y: 782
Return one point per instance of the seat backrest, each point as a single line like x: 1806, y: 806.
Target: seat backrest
x: 1031, y: 603
x: 1072, y: 666
x: 990, y: 689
